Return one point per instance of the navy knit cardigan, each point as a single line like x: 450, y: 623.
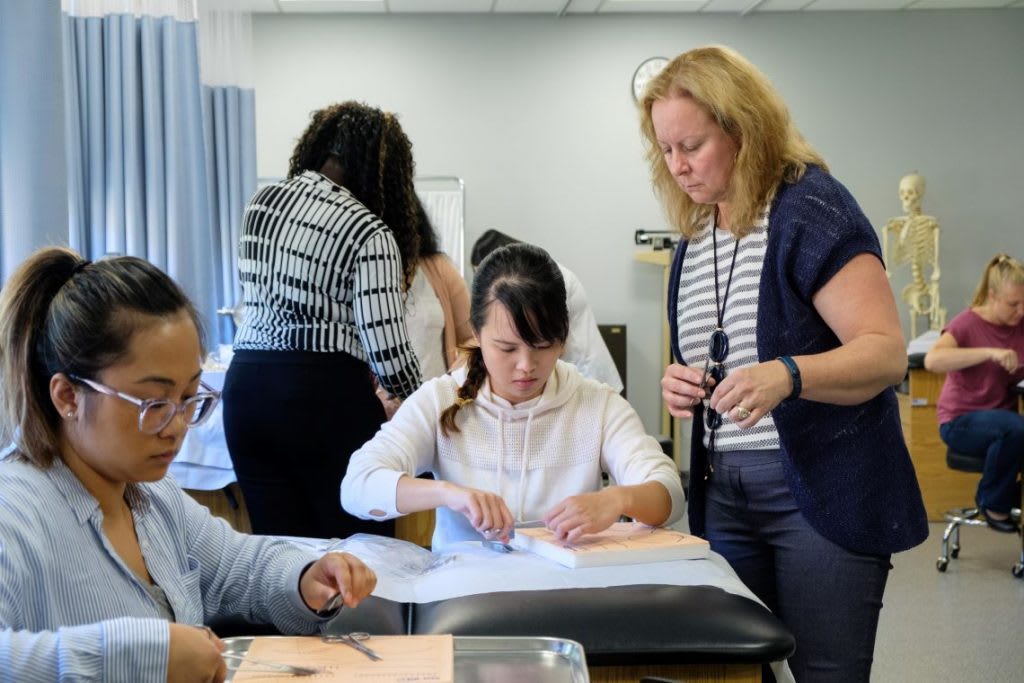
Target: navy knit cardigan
x: 847, y: 466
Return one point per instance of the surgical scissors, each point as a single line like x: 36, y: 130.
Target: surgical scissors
x: 353, y: 640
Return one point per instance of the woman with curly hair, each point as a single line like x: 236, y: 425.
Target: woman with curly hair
x: 324, y: 259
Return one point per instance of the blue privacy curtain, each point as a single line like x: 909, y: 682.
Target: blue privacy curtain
x: 229, y: 123
x: 32, y: 182
x: 138, y: 180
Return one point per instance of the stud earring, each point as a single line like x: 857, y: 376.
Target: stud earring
x: 71, y: 413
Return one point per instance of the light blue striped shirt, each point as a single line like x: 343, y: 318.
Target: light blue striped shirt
x: 71, y: 610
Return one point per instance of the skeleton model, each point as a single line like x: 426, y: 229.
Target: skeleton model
x: 914, y: 239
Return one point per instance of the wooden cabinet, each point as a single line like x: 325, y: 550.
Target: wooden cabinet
x: 941, y: 487
x: 227, y: 503
x: 670, y: 426
x: 416, y: 528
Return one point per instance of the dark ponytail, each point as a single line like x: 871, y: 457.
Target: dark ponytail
x: 62, y: 314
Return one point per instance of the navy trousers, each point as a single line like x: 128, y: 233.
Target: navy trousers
x: 827, y: 596
x: 998, y: 436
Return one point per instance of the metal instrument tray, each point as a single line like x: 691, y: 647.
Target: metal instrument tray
x: 482, y: 659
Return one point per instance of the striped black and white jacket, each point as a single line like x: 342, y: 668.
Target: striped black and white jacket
x: 320, y: 272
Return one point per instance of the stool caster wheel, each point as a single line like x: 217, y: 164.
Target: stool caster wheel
x: 955, y: 552
x: 1018, y: 570
x: 941, y: 564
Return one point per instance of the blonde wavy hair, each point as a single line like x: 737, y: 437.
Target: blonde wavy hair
x: 1001, y: 271
x: 743, y: 102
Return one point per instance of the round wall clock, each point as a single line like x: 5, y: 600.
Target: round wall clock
x: 647, y: 70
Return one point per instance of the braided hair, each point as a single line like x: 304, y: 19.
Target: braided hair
x: 376, y: 160
x: 528, y: 283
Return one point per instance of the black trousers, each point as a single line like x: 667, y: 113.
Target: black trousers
x: 292, y: 420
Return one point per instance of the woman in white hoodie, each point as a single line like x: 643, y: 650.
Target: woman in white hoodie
x: 515, y: 434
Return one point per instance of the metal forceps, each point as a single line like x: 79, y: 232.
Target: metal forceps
x: 264, y: 665
x: 353, y: 640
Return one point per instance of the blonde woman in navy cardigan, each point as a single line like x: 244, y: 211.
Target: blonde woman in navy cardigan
x: 787, y: 342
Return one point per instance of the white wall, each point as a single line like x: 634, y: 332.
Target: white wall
x: 535, y: 114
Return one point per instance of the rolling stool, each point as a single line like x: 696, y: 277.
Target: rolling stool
x: 971, y: 516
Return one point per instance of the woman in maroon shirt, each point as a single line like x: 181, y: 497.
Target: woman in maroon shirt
x: 980, y: 351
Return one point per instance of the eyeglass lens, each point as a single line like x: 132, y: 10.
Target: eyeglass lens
x: 158, y: 415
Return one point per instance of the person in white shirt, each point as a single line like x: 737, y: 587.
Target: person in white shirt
x: 584, y: 347
x: 514, y: 434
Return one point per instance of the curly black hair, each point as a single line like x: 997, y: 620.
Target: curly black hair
x: 428, y: 236
x: 376, y: 159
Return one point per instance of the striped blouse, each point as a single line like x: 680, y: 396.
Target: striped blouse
x: 321, y: 273
x: 71, y: 609
x: 697, y: 318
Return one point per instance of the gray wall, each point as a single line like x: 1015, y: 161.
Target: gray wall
x: 535, y: 114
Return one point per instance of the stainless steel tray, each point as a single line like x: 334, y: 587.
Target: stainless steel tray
x: 483, y: 659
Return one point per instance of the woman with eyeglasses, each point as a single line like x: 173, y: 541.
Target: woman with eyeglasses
x: 788, y: 343
x: 980, y: 351
x: 108, y: 571
x: 515, y: 434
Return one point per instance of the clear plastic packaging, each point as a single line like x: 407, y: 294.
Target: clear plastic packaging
x: 391, y: 556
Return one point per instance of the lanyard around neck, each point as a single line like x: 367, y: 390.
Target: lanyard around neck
x: 720, y: 307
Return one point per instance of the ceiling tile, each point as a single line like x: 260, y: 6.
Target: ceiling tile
x: 959, y: 4
x: 259, y: 6
x: 289, y: 6
x: 555, y: 7
x: 619, y: 6
x: 528, y: 6
x: 856, y: 5
x: 439, y: 6
x: 782, y: 5
x: 730, y: 6
x: 589, y: 6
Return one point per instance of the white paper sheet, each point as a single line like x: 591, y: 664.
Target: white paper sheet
x: 923, y: 343
x: 469, y: 568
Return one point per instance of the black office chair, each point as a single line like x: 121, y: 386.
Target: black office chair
x: 970, y: 516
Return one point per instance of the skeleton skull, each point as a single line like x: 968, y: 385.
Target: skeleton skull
x: 911, y: 193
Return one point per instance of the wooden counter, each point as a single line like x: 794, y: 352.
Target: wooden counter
x: 941, y: 487
x: 230, y: 504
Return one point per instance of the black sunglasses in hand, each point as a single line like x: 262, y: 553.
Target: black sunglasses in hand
x: 718, y: 349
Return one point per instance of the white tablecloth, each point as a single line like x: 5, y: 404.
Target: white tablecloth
x: 408, y: 573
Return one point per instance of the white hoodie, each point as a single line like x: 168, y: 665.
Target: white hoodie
x: 534, y: 454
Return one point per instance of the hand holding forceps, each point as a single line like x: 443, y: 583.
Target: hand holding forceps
x: 353, y: 640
